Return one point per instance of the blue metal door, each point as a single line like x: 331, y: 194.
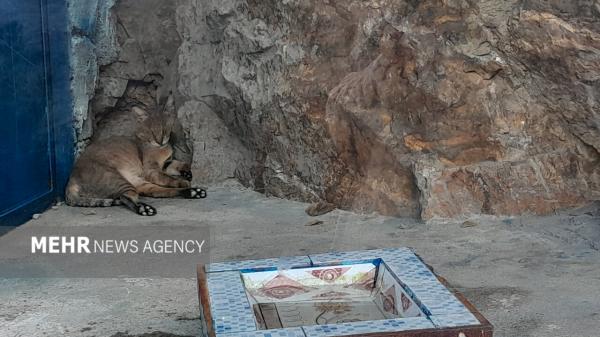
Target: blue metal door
x: 29, y: 133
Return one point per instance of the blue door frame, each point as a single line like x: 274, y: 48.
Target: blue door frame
x: 36, y: 125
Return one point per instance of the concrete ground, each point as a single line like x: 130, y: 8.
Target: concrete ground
x: 530, y: 276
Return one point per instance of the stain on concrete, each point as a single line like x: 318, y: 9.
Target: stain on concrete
x: 486, y: 298
x: 524, y: 326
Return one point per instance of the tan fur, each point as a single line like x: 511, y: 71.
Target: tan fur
x: 118, y: 169
x: 124, y: 121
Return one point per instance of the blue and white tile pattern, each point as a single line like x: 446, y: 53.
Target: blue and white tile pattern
x: 281, y: 262
x: 233, y: 315
x: 289, y: 332
x: 357, y: 328
x: 454, y: 320
x: 229, y: 306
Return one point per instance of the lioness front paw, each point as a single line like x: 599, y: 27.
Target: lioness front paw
x: 194, y: 193
x: 145, y: 209
x: 187, y: 175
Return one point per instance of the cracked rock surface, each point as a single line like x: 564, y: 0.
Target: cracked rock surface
x: 432, y: 109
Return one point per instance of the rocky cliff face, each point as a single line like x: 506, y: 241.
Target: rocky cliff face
x: 433, y: 108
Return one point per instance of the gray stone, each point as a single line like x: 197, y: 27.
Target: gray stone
x: 93, y: 43
x: 84, y: 73
x: 218, y: 155
x: 432, y: 109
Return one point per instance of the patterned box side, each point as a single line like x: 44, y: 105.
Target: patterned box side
x: 280, y: 263
x: 448, y: 321
x: 393, y: 298
x: 289, y: 332
x: 230, y: 309
x: 365, y: 327
x: 238, y: 323
x: 422, y: 283
x: 361, y: 255
x: 434, y: 297
x: 233, y: 315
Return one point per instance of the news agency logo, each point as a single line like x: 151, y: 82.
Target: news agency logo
x: 85, y: 245
x: 150, y: 250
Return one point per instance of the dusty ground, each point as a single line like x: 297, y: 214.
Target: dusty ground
x: 531, y: 276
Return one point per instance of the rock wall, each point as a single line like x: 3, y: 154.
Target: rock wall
x: 93, y: 44
x: 433, y: 108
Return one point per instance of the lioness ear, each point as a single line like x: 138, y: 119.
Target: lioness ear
x: 140, y: 113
